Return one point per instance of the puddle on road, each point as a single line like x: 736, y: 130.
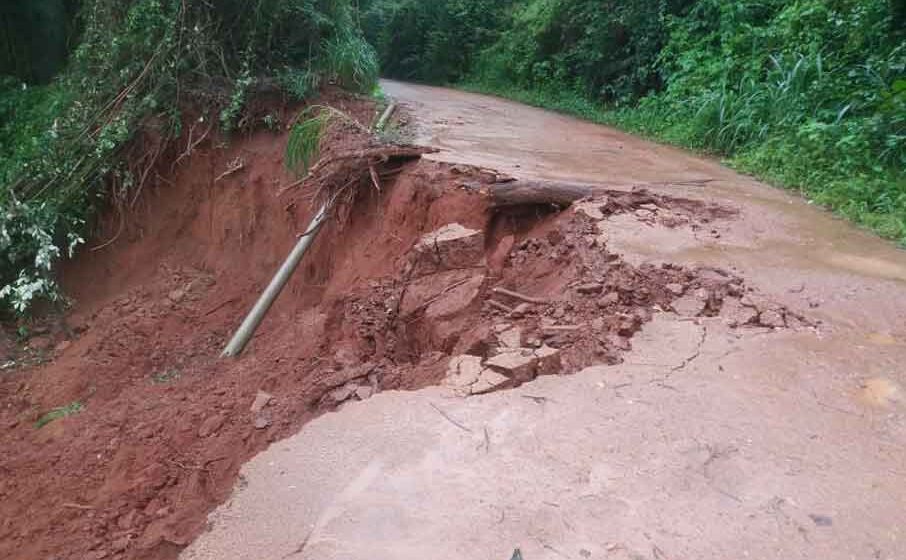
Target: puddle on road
x: 867, y: 266
x: 881, y: 392
x: 882, y: 339
x: 804, y: 256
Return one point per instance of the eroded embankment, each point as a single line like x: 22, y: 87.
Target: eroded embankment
x: 417, y: 283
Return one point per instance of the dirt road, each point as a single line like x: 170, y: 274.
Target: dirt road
x: 776, y: 441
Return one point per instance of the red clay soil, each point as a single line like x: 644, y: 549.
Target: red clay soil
x: 166, y: 424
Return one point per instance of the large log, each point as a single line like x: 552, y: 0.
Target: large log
x: 523, y: 192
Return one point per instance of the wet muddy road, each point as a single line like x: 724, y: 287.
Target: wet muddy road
x: 776, y: 441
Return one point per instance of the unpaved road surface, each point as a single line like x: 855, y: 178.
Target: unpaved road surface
x: 707, y: 442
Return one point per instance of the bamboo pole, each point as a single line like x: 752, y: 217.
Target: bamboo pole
x: 382, y: 122
x: 272, y: 292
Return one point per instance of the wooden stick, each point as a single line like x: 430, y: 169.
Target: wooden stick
x: 235, y: 167
x: 77, y: 506
x: 375, y: 178
x: 388, y: 112
x: 517, y: 295
x: 499, y: 306
x: 564, y: 328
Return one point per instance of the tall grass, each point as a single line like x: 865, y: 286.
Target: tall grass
x: 352, y: 62
x: 304, y: 142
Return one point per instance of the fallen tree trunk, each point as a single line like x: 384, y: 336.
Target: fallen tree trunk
x: 528, y: 192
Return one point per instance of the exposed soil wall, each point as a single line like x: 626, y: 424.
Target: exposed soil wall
x: 409, y: 286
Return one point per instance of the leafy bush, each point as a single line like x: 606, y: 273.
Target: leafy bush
x: 137, y: 61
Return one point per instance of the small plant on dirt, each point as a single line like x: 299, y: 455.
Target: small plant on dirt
x: 166, y: 376
x: 394, y: 134
x: 271, y: 122
x: 60, y: 412
x: 229, y: 117
x: 301, y: 84
x: 379, y: 95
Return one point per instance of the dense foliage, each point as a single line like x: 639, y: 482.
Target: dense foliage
x: 810, y: 93
x: 36, y: 37
x: 67, y: 145
x: 432, y: 41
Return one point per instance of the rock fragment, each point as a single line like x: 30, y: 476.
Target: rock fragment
x: 463, y: 371
x: 521, y: 310
x: 518, y: 364
x: 489, y: 381
x: 511, y: 338
x: 590, y: 289
x: 342, y: 394
x: 262, y: 399
x: 772, y: 318
x: 690, y: 305
x: 448, y: 248
x: 676, y: 289
x: 364, y: 392
x: 211, y: 425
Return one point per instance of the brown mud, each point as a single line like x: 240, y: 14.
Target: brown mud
x: 400, y: 291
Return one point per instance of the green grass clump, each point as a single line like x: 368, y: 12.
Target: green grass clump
x: 166, y: 376
x: 304, y: 143
x: 58, y: 413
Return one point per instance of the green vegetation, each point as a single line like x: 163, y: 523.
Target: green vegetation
x: 305, y: 138
x: 434, y: 41
x: 91, y: 135
x: 58, y: 413
x: 810, y: 94
x: 166, y: 376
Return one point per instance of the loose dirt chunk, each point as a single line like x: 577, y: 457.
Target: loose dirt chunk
x: 463, y: 371
x: 451, y: 247
x: 524, y: 364
x: 490, y: 381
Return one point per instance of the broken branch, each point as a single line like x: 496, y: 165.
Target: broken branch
x: 375, y: 178
x: 519, y: 296
x: 500, y: 307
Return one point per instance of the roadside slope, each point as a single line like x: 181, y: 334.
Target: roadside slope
x: 711, y: 440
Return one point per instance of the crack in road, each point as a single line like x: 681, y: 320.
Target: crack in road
x: 694, y: 356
